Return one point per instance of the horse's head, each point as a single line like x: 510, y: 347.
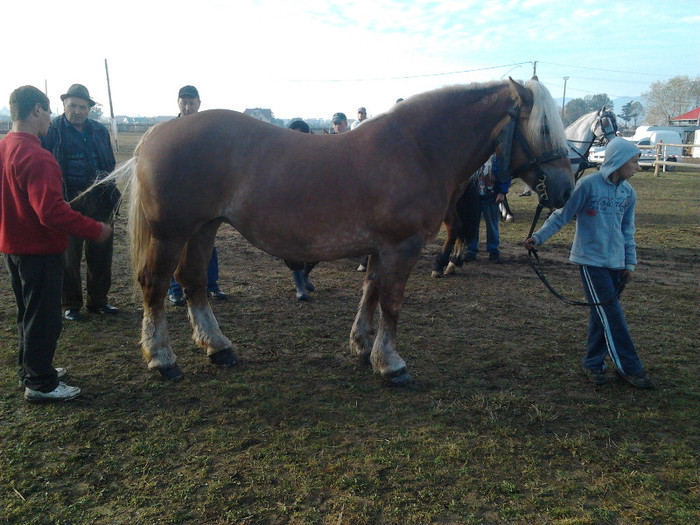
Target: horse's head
x: 532, y: 144
x: 605, y: 126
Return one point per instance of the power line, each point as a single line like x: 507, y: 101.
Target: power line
x: 608, y: 70
x: 424, y: 75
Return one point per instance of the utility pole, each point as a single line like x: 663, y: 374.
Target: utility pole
x: 534, y: 68
x: 111, y: 109
x: 563, y: 99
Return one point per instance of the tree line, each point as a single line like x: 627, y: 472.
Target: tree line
x: 664, y: 100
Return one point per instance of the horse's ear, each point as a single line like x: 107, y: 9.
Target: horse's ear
x: 520, y: 93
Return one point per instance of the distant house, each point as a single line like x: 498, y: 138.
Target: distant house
x: 692, y: 118
x: 261, y: 114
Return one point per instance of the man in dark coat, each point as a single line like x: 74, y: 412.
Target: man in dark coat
x: 83, y: 150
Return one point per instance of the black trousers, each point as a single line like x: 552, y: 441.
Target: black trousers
x: 98, y: 256
x: 36, y: 282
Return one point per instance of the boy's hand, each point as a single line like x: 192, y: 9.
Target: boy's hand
x: 105, y: 233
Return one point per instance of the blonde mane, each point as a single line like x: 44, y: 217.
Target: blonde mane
x: 545, y: 128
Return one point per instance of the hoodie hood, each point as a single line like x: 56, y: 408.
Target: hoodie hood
x: 617, y: 153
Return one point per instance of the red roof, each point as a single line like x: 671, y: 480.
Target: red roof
x: 693, y: 114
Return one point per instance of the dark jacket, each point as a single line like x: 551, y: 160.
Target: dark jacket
x: 101, y: 163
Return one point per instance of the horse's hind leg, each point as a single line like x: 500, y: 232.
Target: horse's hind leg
x: 154, y: 279
x: 362, y: 332
x: 191, y: 274
x: 396, y: 266
x: 443, y: 258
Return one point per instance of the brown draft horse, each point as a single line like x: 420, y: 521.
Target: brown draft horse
x: 383, y: 190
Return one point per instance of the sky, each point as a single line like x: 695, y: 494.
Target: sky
x: 312, y: 58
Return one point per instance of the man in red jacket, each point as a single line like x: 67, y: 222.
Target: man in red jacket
x: 35, y: 221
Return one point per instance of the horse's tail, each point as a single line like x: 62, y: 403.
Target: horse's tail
x: 467, y: 208
x: 139, y: 232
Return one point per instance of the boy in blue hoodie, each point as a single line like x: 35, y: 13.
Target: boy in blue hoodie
x: 603, y: 204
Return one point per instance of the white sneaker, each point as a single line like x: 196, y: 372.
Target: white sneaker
x: 62, y: 392
x: 60, y: 372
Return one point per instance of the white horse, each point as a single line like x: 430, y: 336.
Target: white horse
x: 596, y: 128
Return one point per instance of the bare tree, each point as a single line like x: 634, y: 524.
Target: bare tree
x: 666, y: 100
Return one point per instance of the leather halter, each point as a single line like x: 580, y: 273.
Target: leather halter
x: 505, y: 138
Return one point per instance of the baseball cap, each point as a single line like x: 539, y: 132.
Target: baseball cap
x: 188, y: 91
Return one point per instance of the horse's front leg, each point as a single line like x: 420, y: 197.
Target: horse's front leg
x: 191, y: 274
x: 154, y: 279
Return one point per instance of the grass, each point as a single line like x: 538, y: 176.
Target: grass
x: 500, y: 427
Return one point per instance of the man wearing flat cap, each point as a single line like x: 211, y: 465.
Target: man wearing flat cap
x: 339, y: 122
x: 84, y: 152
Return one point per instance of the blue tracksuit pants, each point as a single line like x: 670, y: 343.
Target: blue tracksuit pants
x: 607, y: 327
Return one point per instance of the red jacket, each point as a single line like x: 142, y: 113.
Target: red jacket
x: 34, y: 218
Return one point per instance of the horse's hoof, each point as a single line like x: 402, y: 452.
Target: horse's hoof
x: 225, y: 357
x: 435, y: 274
x: 171, y: 373
x: 301, y: 296
x: 450, y: 270
x: 400, y: 377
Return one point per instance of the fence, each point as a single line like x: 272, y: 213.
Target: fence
x: 661, y: 163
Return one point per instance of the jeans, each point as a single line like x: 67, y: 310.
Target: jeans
x: 489, y: 209
x: 607, y: 327
x: 212, y: 276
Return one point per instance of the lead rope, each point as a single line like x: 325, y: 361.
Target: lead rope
x: 532, y: 254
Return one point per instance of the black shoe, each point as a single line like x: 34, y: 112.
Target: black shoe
x: 469, y: 257
x: 177, y: 299
x: 217, y: 294
x: 494, y: 257
x: 639, y: 380
x: 595, y: 376
x: 107, y: 309
x: 72, y: 314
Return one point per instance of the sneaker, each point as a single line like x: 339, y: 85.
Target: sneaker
x: 72, y: 314
x: 217, y: 295
x: 595, y: 376
x: 62, y: 392
x: 639, y: 380
x: 103, y: 309
x: 60, y: 372
x: 177, y: 299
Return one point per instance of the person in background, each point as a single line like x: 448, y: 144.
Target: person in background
x: 361, y: 117
x: 35, y: 222
x: 604, y: 248
x: 301, y: 270
x: 188, y: 102
x: 339, y: 122
x: 83, y: 149
x: 492, y: 192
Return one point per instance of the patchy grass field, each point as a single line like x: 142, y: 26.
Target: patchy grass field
x: 500, y: 427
